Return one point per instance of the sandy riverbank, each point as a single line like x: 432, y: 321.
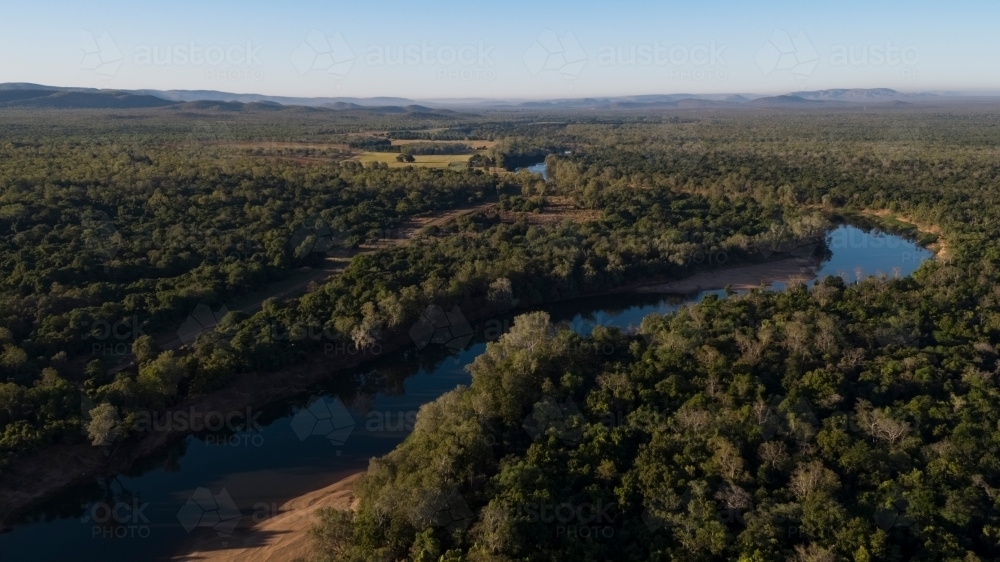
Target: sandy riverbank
x: 940, y: 247
x: 281, y: 538
x: 743, y: 277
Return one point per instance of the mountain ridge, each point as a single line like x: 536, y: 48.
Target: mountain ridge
x: 23, y: 94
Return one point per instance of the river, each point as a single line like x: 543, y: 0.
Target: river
x: 148, y: 513
x: 539, y: 168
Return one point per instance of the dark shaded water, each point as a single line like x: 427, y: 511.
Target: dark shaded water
x: 148, y: 513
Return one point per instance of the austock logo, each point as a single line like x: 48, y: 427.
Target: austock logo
x: 391, y: 422
x: 237, y: 247
x: 778, y: 240
x: 878, y: 55
x: 562, y: 419
x: 317, y: 236
x: 435, y: 326
x: 782, y: 52
x: 551, y: 52
x: 121, y: 520
x: 112, y: 338
x: 100, y: 237
x: 662, y: 512
x: 364, y: 338
x: 209, y: 133
x: 205, y: 509
x: 897, y: 333
x: 203, y: 319
x: 856, y: 239
x: 729, y: 502
x: 781, y: 418
x: 426, y: 54
x: 103, y: 424
x: 324, y: 417
x: 685, y: 62
x: 443, y: 508
x: 893, y: 514
x: 115, y: 143
x: 906, y: 136
x: 587, y: 520
x: 454, y: 62
x: 229, y: 56
x: 100, y: 54
x: 321, y: 53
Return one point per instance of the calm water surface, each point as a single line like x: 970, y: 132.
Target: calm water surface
x: 539, y: 168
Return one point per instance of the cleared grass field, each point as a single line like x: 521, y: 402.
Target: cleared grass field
x: 283, y: 145
x: 426, y: 161
x: 469, y: 143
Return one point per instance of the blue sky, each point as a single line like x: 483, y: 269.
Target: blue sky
x: 515, y: 49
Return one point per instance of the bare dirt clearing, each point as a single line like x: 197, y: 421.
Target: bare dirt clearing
x: 557, y: 210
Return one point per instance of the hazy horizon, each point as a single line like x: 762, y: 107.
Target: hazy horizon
x: 944, y: 94
x: 517, y: 51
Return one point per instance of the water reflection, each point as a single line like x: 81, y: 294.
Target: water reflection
x: 539, y: 168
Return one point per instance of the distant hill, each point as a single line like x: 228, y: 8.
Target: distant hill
x: 861, y: 95
x: 211, y: 100
x: 342, y: 105
x: 78, y: 100
x: 208, y: 105
x: 387, y: 109
x: 698, y: 102
x: 98, y: 99
x: 20, y: 94
x: 212, y: 95
x: 217, y: 96
x: 6, y: 86
x: 233, y: 106
x: 785, y: 101
x: 634, y: 105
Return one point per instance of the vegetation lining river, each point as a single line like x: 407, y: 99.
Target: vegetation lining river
x: 261, y: 470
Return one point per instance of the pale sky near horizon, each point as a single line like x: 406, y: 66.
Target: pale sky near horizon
x: 516, y: 49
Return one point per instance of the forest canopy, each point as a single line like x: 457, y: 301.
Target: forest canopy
x: 840, y: 420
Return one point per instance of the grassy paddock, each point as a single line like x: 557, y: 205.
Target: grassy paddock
x: 422, y: 160
x: 470, y: 143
